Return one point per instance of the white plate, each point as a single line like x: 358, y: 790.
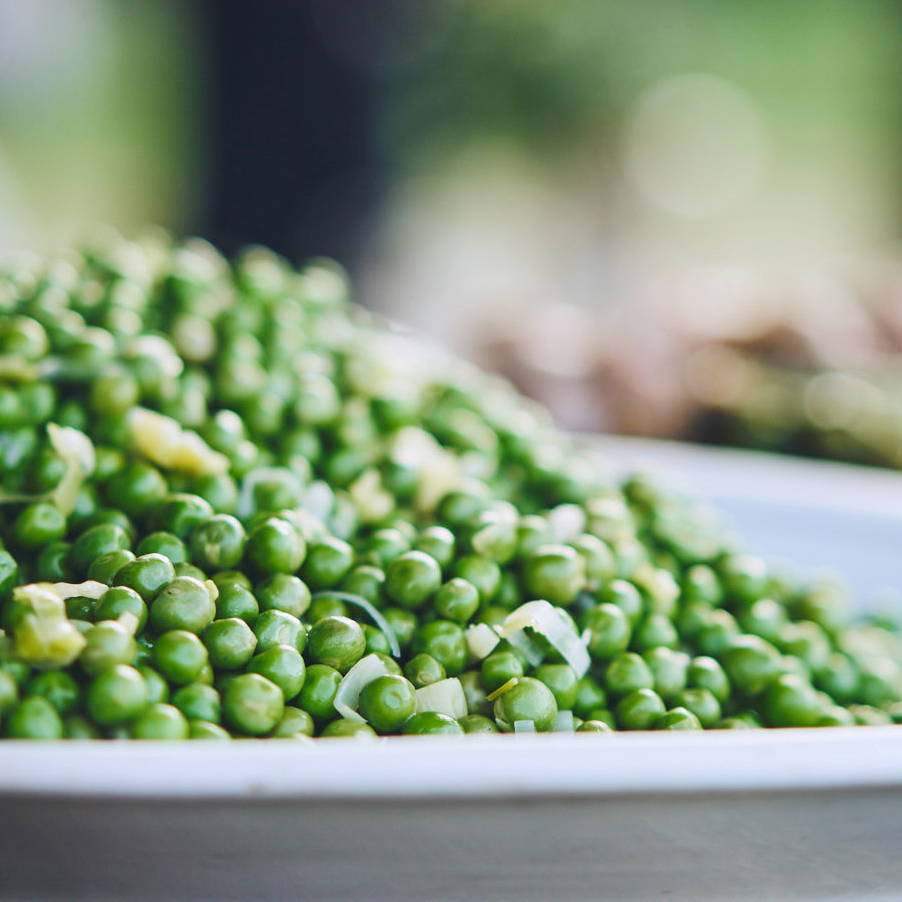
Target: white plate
x: 765, y: 815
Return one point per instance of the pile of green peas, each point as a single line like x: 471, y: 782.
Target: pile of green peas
x: 223, y: 486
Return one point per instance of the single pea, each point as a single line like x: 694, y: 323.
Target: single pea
x: 107, y: 643
x: 367, y: 582
x: 527, y: 699
x: 136, y: 488
x: 532, y: 532
x: 236, y: 600
x: 594, y: 726
x: 217, y: 543
x: 411, y: 578
x: 387, y: 702
x: 840, y: 678
x: 336, y: 641
x: 104, y: 568
x: 445, y: 641
x: 58, y: 687
x: 384, y: 545
x: 198, y: 701
x: 751, y: 663
x: 283, y: 665
x: 180, y: 656
x: 75, y: 726
x: 700, y: 583
x: 295, y: 722
x: 403, y: 623
x: 589, y: 695
x: 116, y: 696
x: 431, y: 723
x: 423, y: 669
x: 38, y: 524
x: 626, y: 673
x: 203, y: 729
x: 438, y: 542
x: 328, y: 562
x: 744, y: 577
x: 376, y: 640
x: 654, y: 631
x: 791, y: 701
x: 562, y: 682
x: 34, y: 718
x: 499, y: 667
x: 702, y: 703
x: 456, y: 600
x: 556, y: 573
x: 275, y: 547
x: 324, y: 604
x: 183, y: 604
x: 639, y: 710
x: 598, y: 558
x: 117, y: 601
x: 677, y: 719
x: 224, y: 578
x: 765, y: 618
x: 808, y: 642
x: 157, y: 687
x: 476, y: 723
x: 252, y: 704
x: 147, y: 575
x: 230, y: 644
x: 482, y: 573
x: 81, y: 607
x: 283, y: 593
x: 609, y: 630
x: 165, y: 543
x: 52, y: 564
x: 706, y: 673
x: 95, y: 541
x: 160, y: 721
x: 317, y: 695
x: 719, y: 630
x: 342, y: 728
x: 181, y: 513
x: 186, y: 569
x: 219, y: 490
x: 669, y: 669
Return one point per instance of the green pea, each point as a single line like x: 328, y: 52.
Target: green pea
x: 34, y: 718
x: 147, y: 575
x: 157, y: 687
x: 639, y: 709
x: 52, y: 563
x: 343, y: 728
x: 180, y: 656
x: 328, y: 562
x: 432, y: 723
x: 527, y: 699
x: 295, y: 722
x: 702, y: 703
x: 475, y: 695
x: 120, y: 600
x: 202, y: 729
x: 744, y: 577
x: 438, y: 542
x: 136, y: 488
x: 38, y: 524
x: 706, y: 673
x: 252, y: 704
x: 717, y: 633
x: 677, y: 719
x: 456, y: 600
x: 57, y: 686
x: 180, y: 513
x: 236, y: 600
x: 366, y: 581
x: 165, y: 543
x: 387, y: 702
x: 423, y: 669
x: 654, y: 631
x: 183, y: 604
x: 198, y: 702
x: 412, y: 578
x: 376, y: 640
x: 317, y: 695
x: 556, y: 573
x: 105, y: 567
x: 476, y: 723
x: 589, y: 695
x: 160, y: 721
x: 751, y: 663
x: 594, y: 726
x: 482, y: 573
x: 95, y: 541
x: 609, y: 630
x: 275, y: 547
x: 627, y: 673
x: 106, y: 644
x: 790, y: 701
x: 326, y: 605
x: 116, y: 696
x: 402, y: 623
x: 217, y: 543
x: 499, y: 667
x: 336, y: 641
x: 598, y: 558
x: 75, y: 726
x: 230, y: 644
x: 765, y: 618
x: 284, y: 593
x: 669, y: 669
x: 808, y: 642
x: 444, y: 641
x: 283, y: 665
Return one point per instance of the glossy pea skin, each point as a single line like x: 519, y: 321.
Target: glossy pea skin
x: 161, y: 722
x: 594, y: 726
x: 295, y: 722
x: 336, y: 641
x: 278, y: 628
x: 165, y: 543
x: 702, y: 703
x: 456, y: 600
x: 677, y: 719
x: 116, y: 696
x: 387, y: 702
x: 157, y: 687
x: 252, y: 704
x: 217, y: 543
x: 283, y: 592
x: 411, y: 578
x: 347, y: 729
x: 482, y: 573
x: 444, y: 641
x: 275, y: 547
x: 230, y: 644
x: 432, y: 723
x: 706, y: 673
x: 120, y: 600
x: 198, y: 701
x: 204, y: 729
x: 438, y: 542
x: 283, y: 665
x: 146, y: 574
x: 104, y: 568
x: 180, y: 656
x: 609, y: 630
x: 423, y: 670
x: 628, y: 672
x: 639, y: 710
x: 589, y: 695
x: 328, y: 562
x: 790, y: 701
x: 499, y: 667
x: 476, y: 723
x: 138, y: 487
x: 527, y: 699
x: 95, y: 541
x: 556, y: 573
x: 107, y: 643
x: 33, y: 718
x: 182, y: 604
x: 236, y: 600
x: 181, y: 513
x: 317, y: 695
x: 562, y: 682
x: 58, y: 687
x: 403, y: 624
x: 669, y: 669
x: 751, y: 663
x: 38, y: 524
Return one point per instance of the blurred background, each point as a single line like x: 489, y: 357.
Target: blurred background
x: 672, y: 218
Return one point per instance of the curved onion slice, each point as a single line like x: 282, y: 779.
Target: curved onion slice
x: 361, y: 674
x: 543, y: 617
x: 481, y: 640
x: 445, y: 697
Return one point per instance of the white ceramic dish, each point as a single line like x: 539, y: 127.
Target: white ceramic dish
x: 766, y: 815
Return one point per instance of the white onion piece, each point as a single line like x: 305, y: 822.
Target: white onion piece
x: 445, y: 697
x: 526, y: 647
x: 524, y: 726
x: 481, y: 640
x: 77, y: 452
x: 566, y: 522
x: 543, y: 617
x: 563, y: 723
x: 162, y: 440
x: 361, y: 674
x: 89, y: 589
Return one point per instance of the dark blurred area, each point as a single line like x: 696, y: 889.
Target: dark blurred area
x: 676, y: 218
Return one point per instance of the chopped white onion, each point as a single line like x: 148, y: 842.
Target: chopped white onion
x: 445, y: 697
x: 162, y: 440
x: 481, y: 640
x: 524, y: 726
x: 77, y: 452
x: 89, y: 589
x: 544, y: 618
x: 361, y: 674
x: 526, y: 647
x: 563, y: 723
